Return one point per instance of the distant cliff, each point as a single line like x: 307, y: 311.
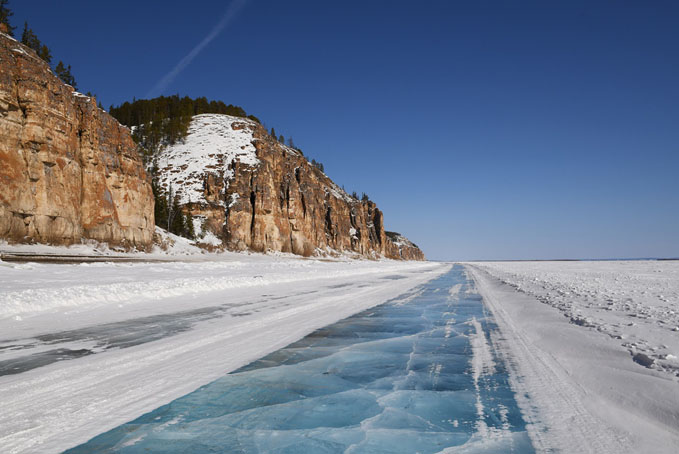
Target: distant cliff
x: 68, y: 170
x: 247, y: 191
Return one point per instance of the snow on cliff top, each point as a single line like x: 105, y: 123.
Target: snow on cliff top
x: 399, y: 240
x: 211, y: 145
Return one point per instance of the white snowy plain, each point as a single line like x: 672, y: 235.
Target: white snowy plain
x: 592, y: 348
x: 272, y: 301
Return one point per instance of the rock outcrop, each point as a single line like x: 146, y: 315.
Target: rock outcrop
x: 247, y: 191
x: 68, y: 170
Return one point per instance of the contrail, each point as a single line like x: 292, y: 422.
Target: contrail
x: 167, y: 79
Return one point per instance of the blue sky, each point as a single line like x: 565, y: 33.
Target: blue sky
x: 483, y: 129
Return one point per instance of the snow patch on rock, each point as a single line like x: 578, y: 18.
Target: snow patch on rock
x: 213, y: 144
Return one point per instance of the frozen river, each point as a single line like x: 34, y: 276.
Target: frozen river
x: 416, y: 374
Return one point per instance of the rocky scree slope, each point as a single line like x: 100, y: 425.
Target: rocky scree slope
x: 68, y: 170
x: 246, y: 191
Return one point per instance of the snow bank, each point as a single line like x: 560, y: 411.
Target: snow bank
x: 172, y: 246
x: 104, y: 284
x: 578, y: 385
x: 633, y: 302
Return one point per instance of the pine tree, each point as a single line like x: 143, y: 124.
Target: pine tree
x: 5, y: 14
x: 273, y: 134
x: 45, y: 54
x: 171, y: 213
x: 160, y: 209
x: 281, y: 139
x: 29, y: 38
x: 178, y: 223
x: 291, y: 144
x: 64, y: 73
x: 188, y: 230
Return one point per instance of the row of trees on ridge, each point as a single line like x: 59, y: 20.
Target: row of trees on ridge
x: 30, y: 39
x: 166, y: 119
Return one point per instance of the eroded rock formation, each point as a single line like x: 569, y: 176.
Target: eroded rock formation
x: 68, y: 170
x: 253, y: 193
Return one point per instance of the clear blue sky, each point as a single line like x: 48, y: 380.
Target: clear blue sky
x: 483, y: 129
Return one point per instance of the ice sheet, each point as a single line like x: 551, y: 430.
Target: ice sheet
x: 387, y: 380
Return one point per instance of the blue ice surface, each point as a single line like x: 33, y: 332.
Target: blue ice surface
x: 396, y: 378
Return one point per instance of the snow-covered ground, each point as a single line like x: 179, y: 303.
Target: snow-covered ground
x: 86, y: 347
x: 593, y: 347
x: 171, y: 247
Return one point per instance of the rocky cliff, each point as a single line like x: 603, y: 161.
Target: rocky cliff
x: 68, y: 170
x: 247, y: 191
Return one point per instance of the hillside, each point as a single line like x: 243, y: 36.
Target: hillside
x: 246, y: 190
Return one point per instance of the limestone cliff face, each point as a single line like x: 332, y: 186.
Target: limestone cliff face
x: 248, y: 191
x: 68, y: 170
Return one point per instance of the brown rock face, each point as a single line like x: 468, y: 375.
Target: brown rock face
x: 399, y: 246
x: 256, y: 194
x: 68, y: 170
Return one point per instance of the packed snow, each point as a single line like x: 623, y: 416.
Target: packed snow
x: 634, y: 302
x: 592, y: 347
x: 87, y: 347
x: 213, y: 143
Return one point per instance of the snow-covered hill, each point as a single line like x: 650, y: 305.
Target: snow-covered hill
x: 213, y: 143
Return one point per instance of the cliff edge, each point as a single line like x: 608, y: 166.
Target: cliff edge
x: 247, y: 191
x: 68, y: 170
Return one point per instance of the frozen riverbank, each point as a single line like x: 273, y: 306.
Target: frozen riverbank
x: 575, y: 332
x: 216, y: 317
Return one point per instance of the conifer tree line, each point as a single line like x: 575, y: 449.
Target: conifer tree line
x: 318, y: 165
x: 166, y: 119
x: 30, y: 39
x: 281, y: 139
